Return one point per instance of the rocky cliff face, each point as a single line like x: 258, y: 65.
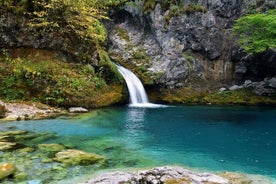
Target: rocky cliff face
x: 195, y: 48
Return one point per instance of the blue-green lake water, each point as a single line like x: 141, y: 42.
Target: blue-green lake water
x: 239, y: 139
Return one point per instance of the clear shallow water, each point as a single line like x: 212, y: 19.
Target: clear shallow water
x: 240, y: 139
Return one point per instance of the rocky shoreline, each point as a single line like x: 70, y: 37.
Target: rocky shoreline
x: 33, y: 110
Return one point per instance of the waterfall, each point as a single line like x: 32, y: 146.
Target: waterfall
x: 137, y: 93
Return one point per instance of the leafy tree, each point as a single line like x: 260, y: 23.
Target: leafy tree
x: 257, y: 32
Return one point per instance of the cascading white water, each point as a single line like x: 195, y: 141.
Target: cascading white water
x: 137, y: 93
x: 135, y: 87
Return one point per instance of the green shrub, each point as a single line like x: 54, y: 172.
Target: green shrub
x: 191, y: 8
x: 257, y: 32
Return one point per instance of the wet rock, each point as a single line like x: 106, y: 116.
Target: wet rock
x: 6, y: 170
x: 77, y: 110
x: 77, y: 157
x: 50, y: 147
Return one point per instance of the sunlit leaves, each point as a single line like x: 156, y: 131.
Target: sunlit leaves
x: 257, y: 32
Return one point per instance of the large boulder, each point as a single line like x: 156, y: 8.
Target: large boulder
x: 77, y: 157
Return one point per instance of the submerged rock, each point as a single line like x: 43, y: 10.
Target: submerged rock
x: 77, y: 157
x: 7, y: 146
x: 13, y: 133
x: 5, y: 138
x: 50, y: 147
x: 236, y: 178
x: 6, y: 170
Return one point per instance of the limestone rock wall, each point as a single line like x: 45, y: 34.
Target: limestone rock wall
x: 190, y: 49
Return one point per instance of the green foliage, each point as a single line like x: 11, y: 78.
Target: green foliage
x: 112, y: 3
x: 122, y: 33
x: 99, y: 82
x: 180, y: 9
x: 52, y: 81
x: 140, y: 54
x: 67, y: 17
x: 175, y: 7
x: 108, y: 69
x: 149, y: 5
x: 191, y: 8
x: 257, y: 32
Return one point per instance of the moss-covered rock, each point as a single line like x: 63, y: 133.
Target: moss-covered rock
x: 77, y: 157
x: 188, y: 95
x: 6, y: 170
x: 20, y: 177
x: 26, y: 150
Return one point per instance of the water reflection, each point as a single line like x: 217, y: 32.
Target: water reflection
x: 134, y: 126
x: 136, y: 115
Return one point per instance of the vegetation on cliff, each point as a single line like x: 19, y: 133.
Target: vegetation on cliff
x: 41, y: 74
x: 189, y: 95
x: 257, y: 32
